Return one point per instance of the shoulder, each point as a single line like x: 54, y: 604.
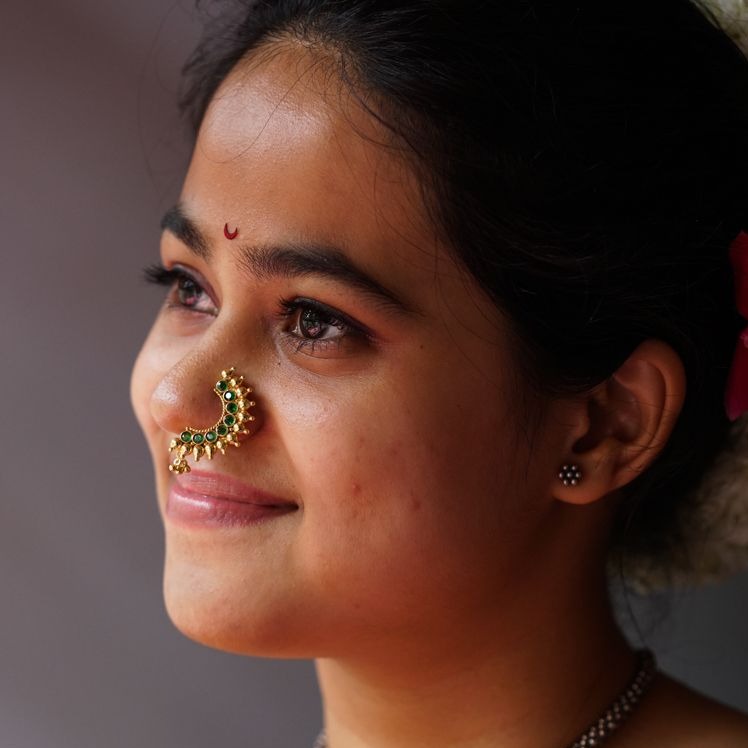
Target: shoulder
x: 673, y: 715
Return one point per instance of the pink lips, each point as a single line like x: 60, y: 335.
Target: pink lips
x: 211, y: 499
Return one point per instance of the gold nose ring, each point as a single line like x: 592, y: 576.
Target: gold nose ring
x: 197, y: 443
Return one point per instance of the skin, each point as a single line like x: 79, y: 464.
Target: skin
x: 449, y: 586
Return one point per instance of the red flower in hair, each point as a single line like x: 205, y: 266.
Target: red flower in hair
x: 736, y: 395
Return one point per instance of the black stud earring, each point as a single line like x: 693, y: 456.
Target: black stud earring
x: 570, y: 475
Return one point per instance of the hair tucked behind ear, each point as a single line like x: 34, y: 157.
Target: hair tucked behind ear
x: 587, y: 161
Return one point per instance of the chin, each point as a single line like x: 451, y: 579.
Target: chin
x: 232, y: 616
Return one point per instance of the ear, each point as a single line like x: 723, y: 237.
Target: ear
x: 623, y: 424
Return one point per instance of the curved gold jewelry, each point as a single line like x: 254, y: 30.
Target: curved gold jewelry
x: 198, y: 443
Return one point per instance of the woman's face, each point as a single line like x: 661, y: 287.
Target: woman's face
x: 383, y: 381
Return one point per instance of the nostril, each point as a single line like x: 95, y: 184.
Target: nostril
x: 192, y: 397
x: 182, y: 399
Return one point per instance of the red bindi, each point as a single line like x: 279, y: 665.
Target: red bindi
x: 230, y: 234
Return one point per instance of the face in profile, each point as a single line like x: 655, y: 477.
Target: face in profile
x: 387, y: 459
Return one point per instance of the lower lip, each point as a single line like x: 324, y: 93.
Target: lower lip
x: 190, y: 508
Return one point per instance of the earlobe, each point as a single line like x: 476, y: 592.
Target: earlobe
x: 626, y: 422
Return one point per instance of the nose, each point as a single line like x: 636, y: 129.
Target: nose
x: 195, y: 394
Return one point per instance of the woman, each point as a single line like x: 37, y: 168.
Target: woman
x: 472, y: 260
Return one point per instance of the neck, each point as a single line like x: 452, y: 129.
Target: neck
x: 534, y: 679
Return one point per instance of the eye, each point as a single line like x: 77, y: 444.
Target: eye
x: 312, y: 324
x: 186, y: 289
x: 315, y: 328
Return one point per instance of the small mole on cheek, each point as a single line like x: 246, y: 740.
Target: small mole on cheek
x: 415, y: 502
x: 356, y: 489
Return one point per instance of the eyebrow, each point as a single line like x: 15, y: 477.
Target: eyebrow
x: 176, y: 222
x: 294, y: 260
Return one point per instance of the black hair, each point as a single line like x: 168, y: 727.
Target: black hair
x: 587, y: 161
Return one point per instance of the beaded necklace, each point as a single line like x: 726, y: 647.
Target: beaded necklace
x: 609, y: 721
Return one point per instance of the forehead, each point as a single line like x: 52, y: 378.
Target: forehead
x: 286, y: 146
x: 288, y: 154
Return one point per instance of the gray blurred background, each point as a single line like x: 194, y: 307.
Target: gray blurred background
x: 92, y: 153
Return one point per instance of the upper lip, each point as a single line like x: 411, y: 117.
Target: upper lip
x: 222, y: 486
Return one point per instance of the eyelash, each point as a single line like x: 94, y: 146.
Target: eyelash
x: 349, y: 331
x: 171, y: 278
x: 329, y: 317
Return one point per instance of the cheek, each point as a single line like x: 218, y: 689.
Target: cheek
x: 387, y: 448
x: 404, y: 492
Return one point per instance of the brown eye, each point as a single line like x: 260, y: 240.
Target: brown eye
x: 312, y: 325
x: 318, y: 330
x: 185, y: 292
x: 188, y: 292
